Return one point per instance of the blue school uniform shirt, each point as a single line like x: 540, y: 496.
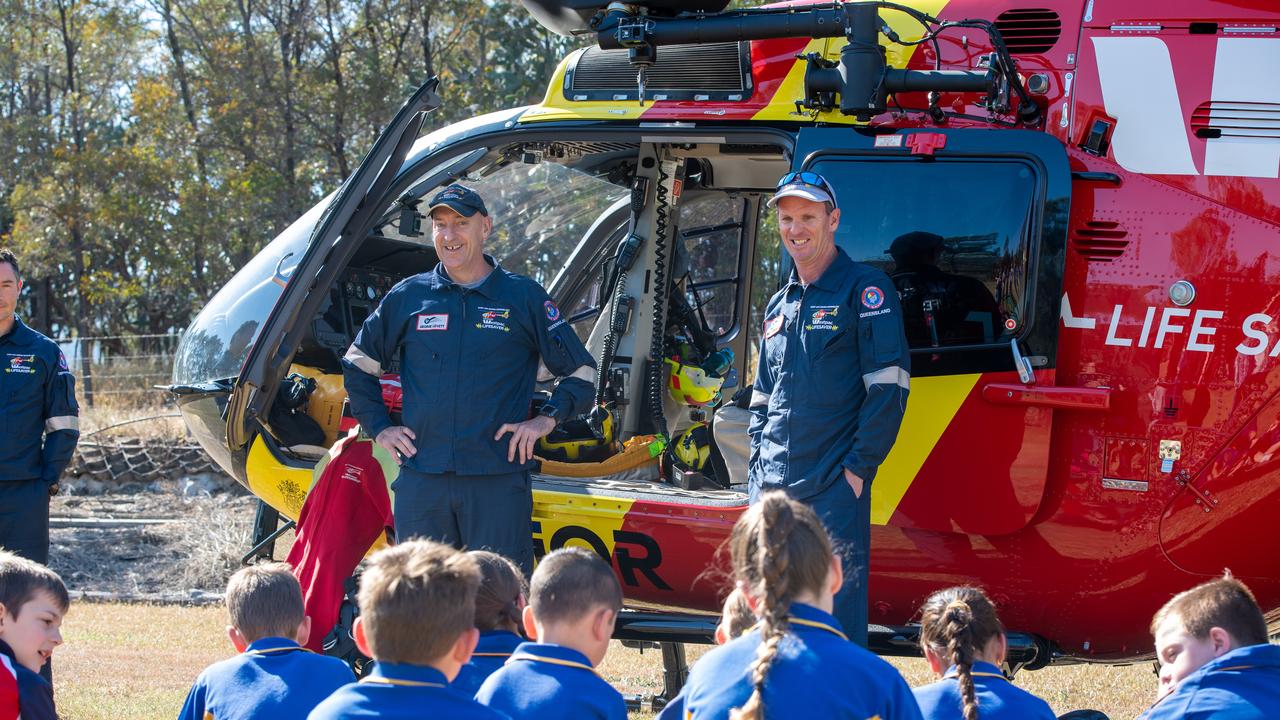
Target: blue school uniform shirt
x: 817, y: 673
x: 998, y: 699
x: 543, y: 682
x: 492, y: 651
x: 1244, y: 684
x: 400, y: 690
x: 273, y: 678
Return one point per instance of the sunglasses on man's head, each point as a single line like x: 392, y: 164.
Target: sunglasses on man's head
x: 805, y: 177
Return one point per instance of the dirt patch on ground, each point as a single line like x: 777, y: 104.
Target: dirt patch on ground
x: 169, y: 537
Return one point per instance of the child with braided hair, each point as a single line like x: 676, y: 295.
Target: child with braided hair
x: 796, y: 661
x: 499, y: 604
x: 965, y: 643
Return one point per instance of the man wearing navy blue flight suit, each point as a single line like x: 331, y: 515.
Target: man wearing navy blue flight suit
x: 41, y: 423
x: 469, y: 336
x: 832, y: 383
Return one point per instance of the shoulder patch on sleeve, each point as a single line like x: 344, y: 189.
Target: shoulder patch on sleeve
x: 872, y: 297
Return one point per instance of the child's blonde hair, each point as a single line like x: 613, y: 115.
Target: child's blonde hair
x: 736, y: 617
x: 415, y: 599
x: 780, y: 551
x: 265, y: 601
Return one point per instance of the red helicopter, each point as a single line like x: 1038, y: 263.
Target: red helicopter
x: 1093, y: 187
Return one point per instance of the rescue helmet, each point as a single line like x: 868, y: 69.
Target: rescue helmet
x: 691, y: 385
x: 693, y: 447
x: 574, y: 441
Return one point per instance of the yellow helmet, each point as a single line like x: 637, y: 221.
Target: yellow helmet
x: 691, y: 385
x: 693, y: 447
x: 574, y: 441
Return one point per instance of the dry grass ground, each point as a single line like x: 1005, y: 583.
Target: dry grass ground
x: 137, y: 662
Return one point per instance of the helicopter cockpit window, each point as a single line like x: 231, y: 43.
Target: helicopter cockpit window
x: 541, y: 212
x: 959, y: 259
x: 708, y: 257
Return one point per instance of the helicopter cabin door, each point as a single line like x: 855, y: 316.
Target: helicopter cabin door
x: 970, y: 226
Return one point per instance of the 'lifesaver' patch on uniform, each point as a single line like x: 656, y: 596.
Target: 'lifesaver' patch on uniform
x: 824, y: 318
x: 553, y: 312
x: 494, y: 318
x: 433, y: 321
x: 773, y: 325
x: 21, y: 363
x: 872, y: 297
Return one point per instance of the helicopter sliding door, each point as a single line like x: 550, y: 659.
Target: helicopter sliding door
x: 970, y: 226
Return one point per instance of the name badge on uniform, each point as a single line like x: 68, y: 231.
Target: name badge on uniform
x: 773, y: 325
x: 436, y: 321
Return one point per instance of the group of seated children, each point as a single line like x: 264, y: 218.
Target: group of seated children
x: 445, y: 629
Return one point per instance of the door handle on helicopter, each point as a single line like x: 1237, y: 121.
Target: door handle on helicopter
x: 1022, y: 364
x: 1050, y: 396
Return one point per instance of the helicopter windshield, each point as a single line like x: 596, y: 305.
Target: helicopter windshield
x: 541, y: 212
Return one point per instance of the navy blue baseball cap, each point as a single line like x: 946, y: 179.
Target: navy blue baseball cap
x: 464, y: 201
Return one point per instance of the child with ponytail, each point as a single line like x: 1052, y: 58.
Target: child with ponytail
x: 965, y: 644
x: 499, y: 604
x: 796, y: 661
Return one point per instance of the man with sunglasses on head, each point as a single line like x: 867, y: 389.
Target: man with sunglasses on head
x: 831, y: 385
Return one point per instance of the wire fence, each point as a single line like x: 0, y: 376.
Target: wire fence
x: 121, y: 370
x: 130, y: 428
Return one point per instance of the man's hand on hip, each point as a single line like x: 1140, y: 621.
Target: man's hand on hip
x: 855, y: 482
x: 398, y: 440
x: 524, y: 436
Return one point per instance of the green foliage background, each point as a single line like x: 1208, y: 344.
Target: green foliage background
x: 152, y: 146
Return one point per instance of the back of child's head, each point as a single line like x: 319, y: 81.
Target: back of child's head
x: 736, y: 616
x: 502, y: 585
x: 571, y: 583
x: 780, y: 551
x: 21, y: 579
x: 956, y: 624
x: 265, y: 600
x: 1224, y: 603
x: 415, y: 599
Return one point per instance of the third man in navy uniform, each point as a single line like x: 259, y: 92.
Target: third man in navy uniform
x: 832, y: 383
x: 469, y: 336
x: 41, y: 423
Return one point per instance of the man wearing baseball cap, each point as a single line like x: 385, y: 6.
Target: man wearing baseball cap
x: 469, y: 336
x: 832, y: 382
